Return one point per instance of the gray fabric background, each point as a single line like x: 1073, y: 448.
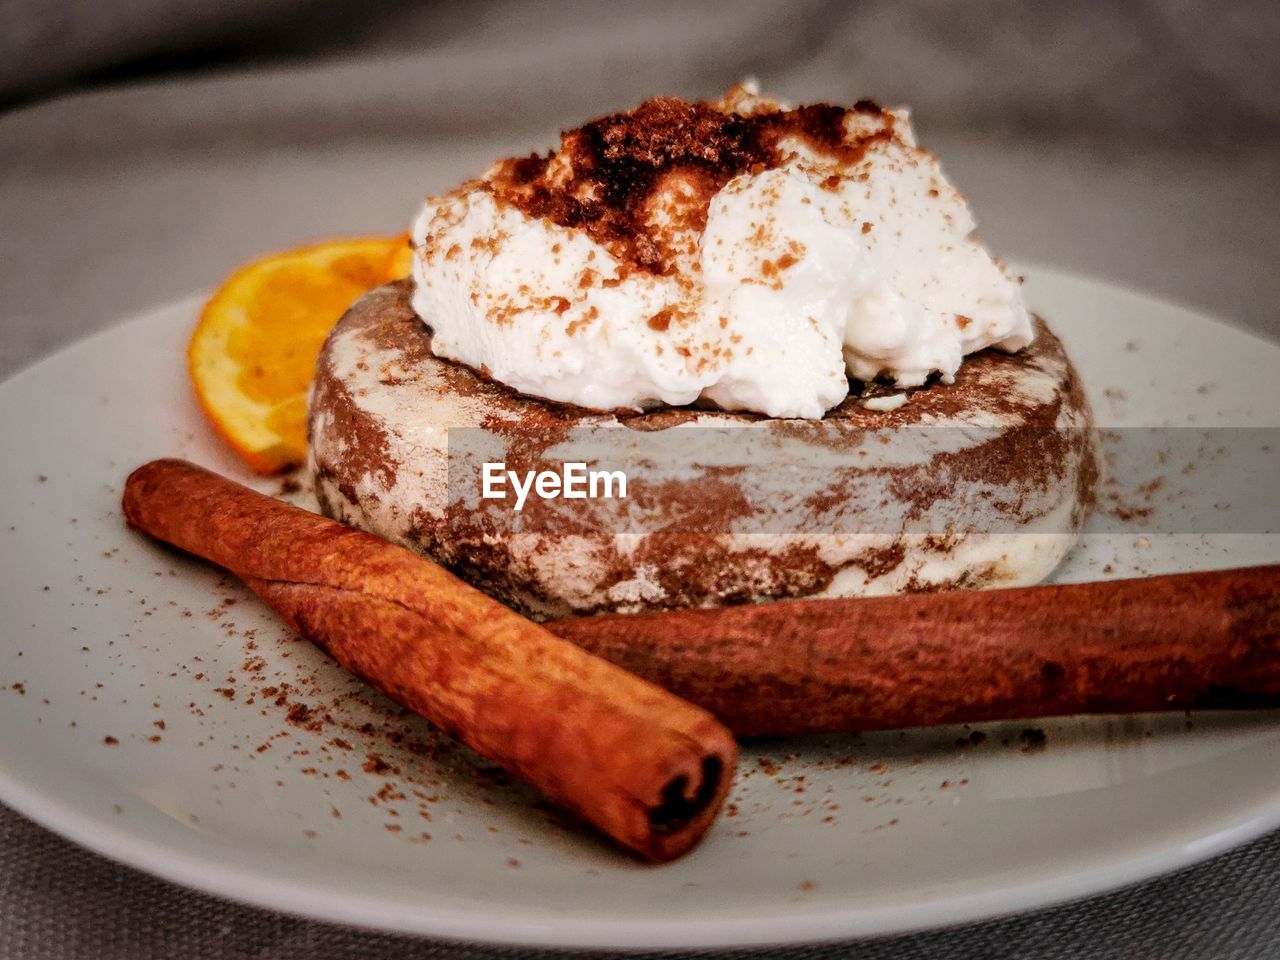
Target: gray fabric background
x: 148, y: 147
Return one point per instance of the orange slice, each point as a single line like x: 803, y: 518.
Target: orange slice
x: 253, y: 354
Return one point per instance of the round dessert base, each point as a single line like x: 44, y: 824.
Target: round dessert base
x: 998, y: 502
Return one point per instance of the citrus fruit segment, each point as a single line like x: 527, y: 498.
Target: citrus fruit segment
x: 253, y: 353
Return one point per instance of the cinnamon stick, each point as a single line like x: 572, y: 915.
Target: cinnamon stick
x: 1185, y: 641
x: 642, y: 765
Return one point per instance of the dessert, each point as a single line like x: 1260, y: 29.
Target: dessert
x: 380, y: 453
x: 805, y: 279
x: 779, y: 321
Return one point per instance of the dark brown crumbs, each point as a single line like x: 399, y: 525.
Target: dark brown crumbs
x: 299, y: 714
x: 110, y: 741
x: 1033, y: 739
x: 660, y: 321
x: 618, y: 161
x: 974, y: 739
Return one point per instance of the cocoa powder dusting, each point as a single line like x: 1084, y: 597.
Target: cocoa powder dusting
x: 616, y: 163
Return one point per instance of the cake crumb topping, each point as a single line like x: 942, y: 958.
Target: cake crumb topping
x: 606, y: 172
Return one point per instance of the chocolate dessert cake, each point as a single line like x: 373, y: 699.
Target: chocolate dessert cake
x: 383, y: 405
x: 857, y: 400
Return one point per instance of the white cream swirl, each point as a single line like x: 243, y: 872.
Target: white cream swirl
x: 826, y: 265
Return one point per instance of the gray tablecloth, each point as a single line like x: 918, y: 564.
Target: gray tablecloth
x: 149, y: 147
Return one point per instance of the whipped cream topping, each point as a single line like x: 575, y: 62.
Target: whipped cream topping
x: 735, y: 254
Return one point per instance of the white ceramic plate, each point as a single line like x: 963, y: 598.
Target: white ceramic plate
x: 106, y: 635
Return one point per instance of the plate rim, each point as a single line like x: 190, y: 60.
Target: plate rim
x: 226, y: 881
